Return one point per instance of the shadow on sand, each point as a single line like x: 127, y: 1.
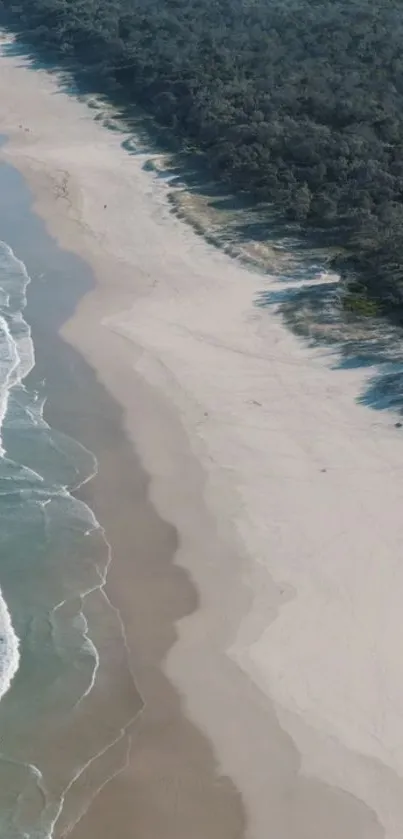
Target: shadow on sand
x: 251, y: 231
x: 314, y: 310
x: 306, y: 292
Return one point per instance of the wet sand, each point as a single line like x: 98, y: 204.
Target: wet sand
x: 250, y: 610
x: 173, y: 786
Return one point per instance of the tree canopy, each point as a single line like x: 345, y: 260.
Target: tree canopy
x: 298, y: 102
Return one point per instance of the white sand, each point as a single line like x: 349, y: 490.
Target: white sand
x: 300, y: 570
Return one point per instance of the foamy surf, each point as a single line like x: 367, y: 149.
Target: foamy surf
x: 54, y: 561
x: 9, y: 648
x: 16, y: 360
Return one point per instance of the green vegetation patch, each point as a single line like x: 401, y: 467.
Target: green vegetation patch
x: 298, y: 103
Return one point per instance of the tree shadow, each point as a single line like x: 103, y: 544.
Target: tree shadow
x: 252, y: 231
x: 234, y: 221
x: 316, y: 313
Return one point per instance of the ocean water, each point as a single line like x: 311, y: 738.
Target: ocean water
x: 59, y: 741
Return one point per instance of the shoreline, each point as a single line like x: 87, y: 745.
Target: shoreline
x: 169, y: 750
x: 111, y: 702
x: 249, y: 674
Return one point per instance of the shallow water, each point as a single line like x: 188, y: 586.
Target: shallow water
x: 59, y: 741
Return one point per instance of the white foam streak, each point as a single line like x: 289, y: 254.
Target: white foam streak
x: 124, y: 731
x: 16, y: 360
x: 9, y: 648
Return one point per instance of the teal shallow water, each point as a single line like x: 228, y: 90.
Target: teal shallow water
x: 59, y: 742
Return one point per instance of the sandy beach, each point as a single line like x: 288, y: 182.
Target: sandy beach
x: 271, y: 673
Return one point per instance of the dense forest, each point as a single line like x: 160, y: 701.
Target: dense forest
x: 297, y: 102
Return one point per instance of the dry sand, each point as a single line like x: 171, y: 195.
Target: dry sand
x: 286, y: 495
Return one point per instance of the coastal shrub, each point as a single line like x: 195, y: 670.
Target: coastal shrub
x: 359, y: 304
x: 296, y: 102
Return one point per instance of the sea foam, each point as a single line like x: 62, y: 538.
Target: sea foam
x: 16, y: 360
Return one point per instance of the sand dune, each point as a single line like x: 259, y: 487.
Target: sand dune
x: 285, y: 491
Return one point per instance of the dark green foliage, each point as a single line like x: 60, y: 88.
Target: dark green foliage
x: 298, y: 102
